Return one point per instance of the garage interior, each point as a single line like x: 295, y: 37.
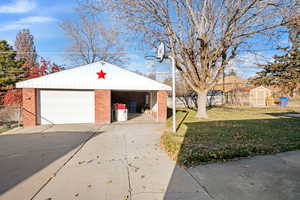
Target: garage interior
x: 138, y: 103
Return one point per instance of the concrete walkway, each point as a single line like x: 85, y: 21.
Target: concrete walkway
x: 124, y: 161
x: 272, y: 177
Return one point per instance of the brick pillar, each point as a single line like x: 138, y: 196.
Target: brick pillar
x: 162, y: 97
x: 29, y: 106
x: 102, y: 106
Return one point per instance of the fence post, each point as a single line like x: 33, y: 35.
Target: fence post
x: 20, y: 115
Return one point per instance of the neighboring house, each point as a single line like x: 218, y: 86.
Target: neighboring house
x: 85, y: 94
x: 252, y: 96
x: 239, y: 96
x: 239, y: 92
x: 248, y: 95
x: 235, y: 90
x: 230, y: 83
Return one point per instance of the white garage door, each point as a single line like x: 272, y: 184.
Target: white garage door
x: 67, y: 106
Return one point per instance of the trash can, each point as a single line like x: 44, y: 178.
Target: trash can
x: 121, y: 113
x: 132, y: 107
x: 284, y: 101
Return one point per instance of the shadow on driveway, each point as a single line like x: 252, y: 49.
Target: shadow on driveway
x: 22, y: 155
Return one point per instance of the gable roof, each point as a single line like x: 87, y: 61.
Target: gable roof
x: 231, y: 83
x: 85, y: 77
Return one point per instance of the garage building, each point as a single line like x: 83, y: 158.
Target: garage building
x: 86, y: 94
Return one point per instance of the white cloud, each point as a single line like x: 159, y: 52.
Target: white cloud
x: 26, y: 22
x: 37, y: 19
x: 19, y: 6
x: 246, y: 65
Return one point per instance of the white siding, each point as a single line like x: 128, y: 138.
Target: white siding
x: 85, y: 78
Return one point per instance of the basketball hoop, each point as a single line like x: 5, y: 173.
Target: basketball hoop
x: 161, y: 52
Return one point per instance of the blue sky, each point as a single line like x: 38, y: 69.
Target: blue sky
x: 42, y: 17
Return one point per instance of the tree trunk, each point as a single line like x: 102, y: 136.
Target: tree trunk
x: 201, y: 102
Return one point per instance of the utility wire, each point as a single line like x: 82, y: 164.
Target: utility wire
x: 61, y: 52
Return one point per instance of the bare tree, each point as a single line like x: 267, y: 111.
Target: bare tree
x: 25, y: 47
x: 203, y: 35
x: 91, y: 39
x: 294, y: 34
x: 294, y: 25
x: 151, y: 75
x: 292, y: 15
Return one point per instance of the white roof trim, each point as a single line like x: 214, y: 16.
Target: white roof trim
x: 85, y: 77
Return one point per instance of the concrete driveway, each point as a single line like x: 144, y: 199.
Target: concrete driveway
x: 30, y: 156
x: 124, y: 161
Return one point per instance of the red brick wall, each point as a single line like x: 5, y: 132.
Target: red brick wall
x: 102, y: 106
x: 29, y: 105
x: 162, y: 97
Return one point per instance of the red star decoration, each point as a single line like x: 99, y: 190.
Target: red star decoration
x: 101, y: 74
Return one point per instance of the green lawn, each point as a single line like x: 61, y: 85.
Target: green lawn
x: 2, y: 130
x: 232, y: 133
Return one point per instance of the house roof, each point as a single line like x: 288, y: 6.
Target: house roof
x: 232, y: 79
x: 243, y: 88
x: 230, y: 83
x: 85, y: 77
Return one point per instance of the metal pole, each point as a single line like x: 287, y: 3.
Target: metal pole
x: 173, y: 94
